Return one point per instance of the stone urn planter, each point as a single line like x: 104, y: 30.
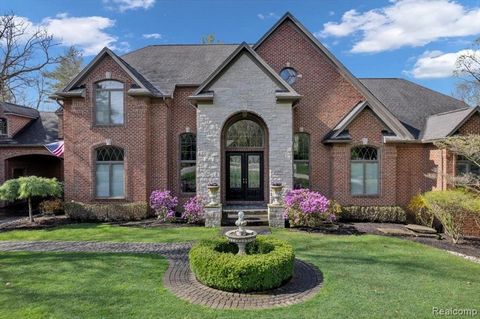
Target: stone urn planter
x: 212, y: 194
x: 276, y: 193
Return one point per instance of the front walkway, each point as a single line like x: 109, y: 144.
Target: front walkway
x: 304, y: 284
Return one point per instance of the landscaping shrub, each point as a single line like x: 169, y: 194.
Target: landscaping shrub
x: 163, y: 203
x: 380, y: 214
x: 267, y: 265
x: 304, y: 207
x: 106, y: 212
x: 418, y: 208
x: 452, y: 208
x: 193, y: 210
x: 51, y: 207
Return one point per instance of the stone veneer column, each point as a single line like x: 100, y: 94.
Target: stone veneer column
x: 244, y: 87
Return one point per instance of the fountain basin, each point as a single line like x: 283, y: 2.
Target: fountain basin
x: 241, y: 239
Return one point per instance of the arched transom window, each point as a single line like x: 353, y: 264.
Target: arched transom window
x: 364, y: 171
x: 188, y: 157
x: 109, y: 102
x: 244, y: 133
x: 109, y: 172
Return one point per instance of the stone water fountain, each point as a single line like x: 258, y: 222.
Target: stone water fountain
x: 241, y: 236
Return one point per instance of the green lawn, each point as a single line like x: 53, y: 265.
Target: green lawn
x: 364, y: 277
x: 106, y: 232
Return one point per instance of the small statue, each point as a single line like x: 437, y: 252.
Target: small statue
x: 241, y: 223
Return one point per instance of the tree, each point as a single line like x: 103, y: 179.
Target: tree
x: 69, y: 65
x: 210, y: 39
x: 24, y: 51
x: 467, y: 146
x: 468, y: 71
x: 28, y: 187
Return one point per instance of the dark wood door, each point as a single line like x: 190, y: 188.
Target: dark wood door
x: 244, y: 174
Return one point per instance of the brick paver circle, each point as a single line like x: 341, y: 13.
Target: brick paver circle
x: 304, y: 284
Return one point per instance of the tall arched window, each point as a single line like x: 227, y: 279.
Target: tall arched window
x: 109, y: 102
x: 188, y: 157
x: 109, y: 172
x: 301, y: 160
x: 364, y: 171
x: 3, y: 126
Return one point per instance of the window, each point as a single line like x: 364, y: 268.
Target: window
x: 464, y: 166
x: 364, y: 171
x: 109, y: 172
x: 188, y: 157
x: 109, y: 103
x: 289, y: 75
x: 3, y: 126
x: 244, y: 133
x: 301, y: 160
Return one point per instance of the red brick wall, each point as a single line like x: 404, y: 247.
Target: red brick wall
x: 8, y: 155
x: 182, y: 115
x: 82, y: 137
x: 326, y: 95
x: 16, y: 123
x: 471, y: 126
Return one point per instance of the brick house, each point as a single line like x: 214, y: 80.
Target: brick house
x: 23, y: 133
x: 243, y: 116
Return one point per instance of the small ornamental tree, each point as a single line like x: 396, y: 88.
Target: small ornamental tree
x: 163, y: 203
x: 28, y: 187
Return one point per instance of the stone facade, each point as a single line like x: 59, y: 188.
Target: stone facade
x: 244, y: 87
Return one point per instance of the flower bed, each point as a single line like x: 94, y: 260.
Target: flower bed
x: 267, y: 265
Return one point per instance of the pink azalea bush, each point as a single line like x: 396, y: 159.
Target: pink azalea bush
x: 163, y: 203
x: 304, y: 207
x: 193, y: 210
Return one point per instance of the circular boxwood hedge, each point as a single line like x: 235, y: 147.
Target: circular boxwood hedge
x: 267, y: 265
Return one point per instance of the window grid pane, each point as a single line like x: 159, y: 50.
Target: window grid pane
x: 117, y: 182
x: 188, y: 147
x: 102, y: 178
x: 301, y: 174
x: 188, y: 177
x: 109, y: 102
x: 3, y: 127
x: 371, y: 178
x: 356, y: 178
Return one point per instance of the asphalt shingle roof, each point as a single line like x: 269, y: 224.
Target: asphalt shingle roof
x: 165, y: 66
x: 411, y: 103
x: 19, y: 109
x: 441, y: 125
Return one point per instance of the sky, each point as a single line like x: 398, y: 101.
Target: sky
x: 418, y: 40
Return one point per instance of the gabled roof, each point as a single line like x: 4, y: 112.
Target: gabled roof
x: 168, y: 66
x: 19, y: 110
x: 411, y: 103
x: 445, y: 124
x: 145, y: 87
x: 338, y: 134
x: 375, y: 104
x: 286, y: 92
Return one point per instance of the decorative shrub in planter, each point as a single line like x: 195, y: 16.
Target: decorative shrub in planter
x: 193, y: 210
x: 268, y: 264
x: 163, y: 203
x: 304, y: 207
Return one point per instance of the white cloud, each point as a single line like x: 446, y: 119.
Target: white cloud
x: 270, y: 15
x: 405, y: 23
x: 436, y: 64
x: 124, y: 5
x: 152, y: 36
x: 87, y: 33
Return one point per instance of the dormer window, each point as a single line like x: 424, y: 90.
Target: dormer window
x: 109, y: 102
x: 3, y: 126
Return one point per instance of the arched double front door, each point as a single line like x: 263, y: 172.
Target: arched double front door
x: 244, y: 144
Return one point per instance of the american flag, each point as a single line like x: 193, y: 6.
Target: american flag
x: 55, y: 148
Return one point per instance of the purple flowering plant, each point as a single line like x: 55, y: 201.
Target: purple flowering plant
x: 304, y: 207
x: 163, y: 203
x: 193, y: 210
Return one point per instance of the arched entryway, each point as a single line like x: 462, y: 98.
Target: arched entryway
x: 244, y: 159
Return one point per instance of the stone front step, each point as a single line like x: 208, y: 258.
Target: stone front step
x: 254, y: 215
